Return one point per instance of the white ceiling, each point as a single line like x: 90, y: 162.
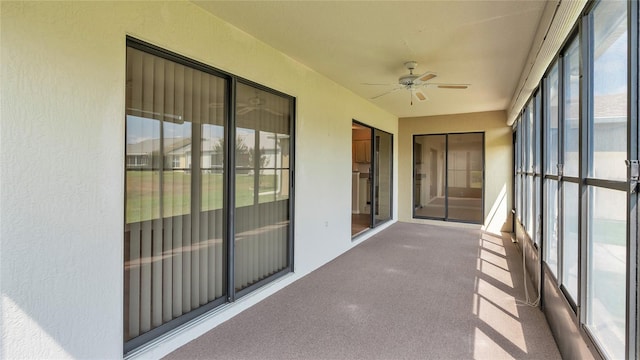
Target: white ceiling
x: 482, y: 43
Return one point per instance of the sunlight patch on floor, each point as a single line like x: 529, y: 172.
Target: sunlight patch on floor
x: 495, y: 272
x: 502, y: 322
x: 494, y: 259
x: 500, y: 335
x: 491, y: 246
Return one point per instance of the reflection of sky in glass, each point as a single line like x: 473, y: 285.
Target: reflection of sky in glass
x: 610, y: 48
x: 174, y: 131
x: 140, y: 129
x: 610, y: 69
x: 212, y: 131
x: 553, y: 90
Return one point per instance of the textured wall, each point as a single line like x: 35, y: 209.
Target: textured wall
x: 62, y: 154
x: 498, y: 161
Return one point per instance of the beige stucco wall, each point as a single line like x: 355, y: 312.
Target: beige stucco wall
x: 62, y: 153
x: 498, y: 161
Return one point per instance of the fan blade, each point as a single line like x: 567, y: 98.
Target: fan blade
x: 420, y: 95
x: 452, y: 86
x: 385, y: 93
x: 448, y: 86
x: 387, y: 84
x: 245, y: 110
x: 425, y: 77
x: 273, y: 112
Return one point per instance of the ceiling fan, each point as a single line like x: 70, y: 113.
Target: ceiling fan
x: 255, y: 103
x: 416, y: 83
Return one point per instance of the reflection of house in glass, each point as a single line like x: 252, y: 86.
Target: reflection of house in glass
x: 177, y: 154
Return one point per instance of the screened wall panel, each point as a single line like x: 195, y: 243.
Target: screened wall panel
x: 607, y: 124
x: 551, y: 226
x: 552, y: 109
x: 608, y: 139
x: 589, y: 202
x: 571, y: 119
x: 607, y: 269
x: 570, y: 229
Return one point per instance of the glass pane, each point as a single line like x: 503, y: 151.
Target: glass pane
x: 429, y: 176
x: 537, y: 210
x: 262, y: 185
x: 537, y: 129
x: 607, y: 269
x: 609, y: 135
x: 383, y: 158
x: 282, y: 184
x: 518, y: 145
x: 517, y: 196
x: 267, y: 185
x: 571, y: 108
x: 361, y: 178
x: 570, y: 254
x: 142, y: 169
x: 212, y: 166
x: 465, y: 173
x: 245, y: 167
x: 551, y: 120
x: 524, y: 202
x: 177, y: 169
x: 530, y: 138
x: 551, y: 225
x: 529, y: 207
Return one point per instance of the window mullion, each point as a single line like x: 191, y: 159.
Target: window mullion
x: 633, y: 215
x: 229, y: 200
x: 584, y: 145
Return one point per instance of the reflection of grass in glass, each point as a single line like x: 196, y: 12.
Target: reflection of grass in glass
x: 244, y: 190
x: 143, y: 188
x: 267, y: 182
x: 212, y: 191
x: 176, y: 199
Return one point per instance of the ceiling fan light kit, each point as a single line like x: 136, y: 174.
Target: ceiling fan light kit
x: 414, y: 83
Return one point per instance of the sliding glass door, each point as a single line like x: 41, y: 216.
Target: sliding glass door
x: 449, y: 177
x: 208, y: 200
x: 371, y: 176
x: 382, y: 176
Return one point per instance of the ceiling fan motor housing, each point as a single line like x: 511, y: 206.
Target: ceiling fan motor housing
x: 407, y: 79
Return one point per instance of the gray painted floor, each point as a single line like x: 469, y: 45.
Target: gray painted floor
x: 411, y: 292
